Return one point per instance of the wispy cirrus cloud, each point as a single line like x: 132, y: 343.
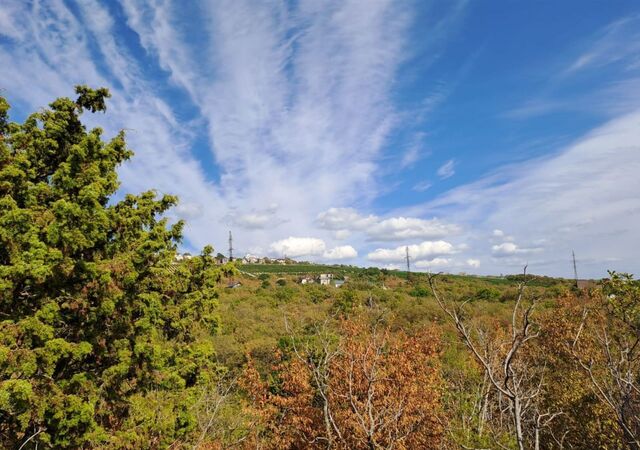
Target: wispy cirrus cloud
x: 58, y: 48
x: 265, y: 116
x: 611, y: 57
x: 292, y: 91
x: 422, y: 186
x: 447, y: 170
x: 618, y: 42
x: 285, y: 92
x: 571, y: 200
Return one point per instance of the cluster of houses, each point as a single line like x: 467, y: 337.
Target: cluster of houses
x: 324, y: 279
x: 252, y: 259
x: 247, y: 259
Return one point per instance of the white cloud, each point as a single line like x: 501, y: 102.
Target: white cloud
x: 536, y: 107
x: 415, y: 151
x: 410, y: 157
x: 345, y: 219
x: 473, y: 263
x: 294, y: 247
x: 298, y: 246
x: 573, y: 199
x: 423, y: 250
x: 341, y: 234
x: 511, y: 249
x: 447, y: 169
x: 288, y: 93
x: 297, y: 101
x: 257, y: 219
x: 618, y: 42
x: 447, y: 264
x: 188, y: 211
x: 433, y: 263
x: 341, y: 252
x: 406, y: 228
x: 421, y: 186
x: 390, y: 229
x: 9, y: 26
x: 57, y: 53
x: 498, y: 233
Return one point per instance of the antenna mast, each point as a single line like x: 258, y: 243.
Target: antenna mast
x: 575, y: 269
x: 230, y: 247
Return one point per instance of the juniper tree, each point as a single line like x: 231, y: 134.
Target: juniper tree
x: 103, y: 338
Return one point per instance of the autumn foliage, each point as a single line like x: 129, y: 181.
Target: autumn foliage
x: 370, y: 389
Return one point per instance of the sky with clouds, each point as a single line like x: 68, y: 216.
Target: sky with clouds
x: 481, y: 135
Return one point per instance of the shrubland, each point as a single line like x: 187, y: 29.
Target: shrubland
x: 108, y: 341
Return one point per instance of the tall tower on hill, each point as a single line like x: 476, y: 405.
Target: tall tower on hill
x: 408, y: 258
x: 230, y: 247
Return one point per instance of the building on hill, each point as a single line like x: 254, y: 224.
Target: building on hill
x: 306, y: 280
x: 183, y: 256
x: 325, y: 279
x: 251, y: 259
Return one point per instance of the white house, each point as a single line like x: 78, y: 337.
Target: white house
x: 307, y: 280
x: 251, y: 259
x: 325, y: 279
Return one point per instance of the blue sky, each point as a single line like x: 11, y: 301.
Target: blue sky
x: 483, y: 135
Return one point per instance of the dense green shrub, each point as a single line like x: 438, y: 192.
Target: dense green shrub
x: 487, y: 294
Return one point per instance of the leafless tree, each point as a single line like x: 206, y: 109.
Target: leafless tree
x: 317, y: 359
x: 513, y: 377
x: 377, y: 390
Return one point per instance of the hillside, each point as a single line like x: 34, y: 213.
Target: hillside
x: 253, y: 315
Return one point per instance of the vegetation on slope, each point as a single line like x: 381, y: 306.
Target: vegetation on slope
x: 107, y: 341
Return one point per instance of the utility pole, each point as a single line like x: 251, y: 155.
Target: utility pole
x: 230, y: 247
x: 575, y: 269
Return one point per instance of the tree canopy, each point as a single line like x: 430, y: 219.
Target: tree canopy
x: 101, y: 333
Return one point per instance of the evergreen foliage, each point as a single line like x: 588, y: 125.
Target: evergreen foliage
x: 103, y: 338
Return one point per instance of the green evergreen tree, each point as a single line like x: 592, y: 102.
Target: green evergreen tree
x: 104, y: 338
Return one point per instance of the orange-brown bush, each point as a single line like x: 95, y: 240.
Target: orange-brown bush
x: 368, y: 389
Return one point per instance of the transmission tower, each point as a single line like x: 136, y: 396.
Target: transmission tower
x: 408, y: 258
x: 230, y: 247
